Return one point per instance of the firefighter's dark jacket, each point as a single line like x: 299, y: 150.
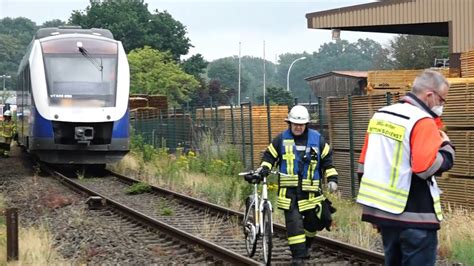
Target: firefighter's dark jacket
x: 325, y: 165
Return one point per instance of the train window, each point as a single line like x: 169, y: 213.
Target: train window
x: 73, y: 80
x: 81, y: 75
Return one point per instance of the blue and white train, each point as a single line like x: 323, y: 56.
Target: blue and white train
x: 73, y: 97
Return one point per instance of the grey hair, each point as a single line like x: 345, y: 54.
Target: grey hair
x: 429, y: 80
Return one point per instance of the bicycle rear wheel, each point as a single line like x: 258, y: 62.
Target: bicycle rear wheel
x: 267, y: 234
x: 250, y: 231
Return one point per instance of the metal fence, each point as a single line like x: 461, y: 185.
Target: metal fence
x: 248, y: 127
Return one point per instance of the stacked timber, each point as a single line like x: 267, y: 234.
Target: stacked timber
x: 158, y: 101
x: 457, y: 191
x: 143, y: 106
x: 341, y: 160
x: 247, y: 129
x: 137, y: 102
x: 467, y: 64
x: 145, y: 113
x: 143, y: 100
x: 393, y: 81
x: 363, y: 107
x: 458, y: 118
x: 459, y: 109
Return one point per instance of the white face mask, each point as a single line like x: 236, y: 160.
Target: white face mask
x: 438, y: 109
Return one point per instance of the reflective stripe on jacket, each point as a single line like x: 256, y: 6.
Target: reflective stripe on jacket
x: 8, y: 129
x: 300, y: 162
x: 386, y: 185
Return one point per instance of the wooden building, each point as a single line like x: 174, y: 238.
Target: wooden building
x: 338, y: 83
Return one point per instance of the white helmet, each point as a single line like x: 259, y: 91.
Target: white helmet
x: 298, y: 115
x: 7, y: 113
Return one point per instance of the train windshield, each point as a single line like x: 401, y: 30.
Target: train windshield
x: 81, y: 72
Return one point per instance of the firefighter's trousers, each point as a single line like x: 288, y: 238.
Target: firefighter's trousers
x: 301, y: 227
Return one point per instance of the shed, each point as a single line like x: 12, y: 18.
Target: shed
x: 446, y: 18
x: 338, y: 83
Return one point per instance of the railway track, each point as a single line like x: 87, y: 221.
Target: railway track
x: 213, y: 228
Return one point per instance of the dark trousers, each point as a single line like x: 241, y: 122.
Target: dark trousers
x: 410, y: 247
x: 296, y: 223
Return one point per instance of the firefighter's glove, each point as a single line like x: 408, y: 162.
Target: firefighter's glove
x: 253, y: 178
x: 263, y: 171
x: 332, y: 186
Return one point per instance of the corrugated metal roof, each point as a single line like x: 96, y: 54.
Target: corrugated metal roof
x: 352, y: 74
x: 453, y: 18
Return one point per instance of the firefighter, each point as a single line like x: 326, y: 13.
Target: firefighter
x: 303, y: 154
x: 7, y: 131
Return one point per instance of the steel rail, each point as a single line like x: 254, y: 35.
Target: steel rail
x: 374, y: 257
x: 213, y: 249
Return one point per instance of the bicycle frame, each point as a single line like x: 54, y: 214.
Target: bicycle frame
x: 263, y: 201
x: 258, y: 221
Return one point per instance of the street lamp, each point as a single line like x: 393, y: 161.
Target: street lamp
x: 4, y: 77
x: 289, y: 69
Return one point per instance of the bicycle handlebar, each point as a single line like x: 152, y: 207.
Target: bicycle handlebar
x: 252, y: 172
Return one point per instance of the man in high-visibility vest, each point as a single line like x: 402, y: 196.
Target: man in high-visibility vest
x: 7, y: 131
x: 304, y: 155
x: 403, y: 153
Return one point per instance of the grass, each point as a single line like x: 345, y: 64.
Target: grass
x: 35, y: 245
x: 456, y: 237
x: 138, y: 188
x: 164, y: 209
x: 348, y: 227
x: 212, y: 176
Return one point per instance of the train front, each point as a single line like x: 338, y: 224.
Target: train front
x: 81, y: 114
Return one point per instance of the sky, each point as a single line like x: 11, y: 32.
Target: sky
x: 216, y: 27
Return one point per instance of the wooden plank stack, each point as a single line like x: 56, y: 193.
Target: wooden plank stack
x: 147, y: 106
x: 341, y: 160
x: 231, y: 121
x: 467, y: 64
x: 459, y: 109
x: 457, y: 191
x: 158, y: 101
x: 458, y: 116
x: 145, y: 113
x: 383, y: 81
x: 137, y: 102
x: 363, y: 107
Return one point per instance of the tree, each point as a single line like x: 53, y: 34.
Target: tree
x: 418, y: 52
x: 132, y: 23
x: 226, y: 71
x: 22, y: 29
x: 219, y: 94
x: 195, y: 65
x: 155, y: 72
x: 340, y: 55
x: 279, y: 96
x: 15, y: 35
x: 53, y: 23
x: 252, y: 67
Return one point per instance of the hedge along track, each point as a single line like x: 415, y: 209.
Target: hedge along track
x: 187, y: 216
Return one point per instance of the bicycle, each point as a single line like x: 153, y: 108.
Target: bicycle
x: 257, y: 222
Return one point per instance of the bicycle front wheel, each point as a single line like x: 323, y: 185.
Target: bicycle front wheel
x: 267, y: 234
x: 250, y: 231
